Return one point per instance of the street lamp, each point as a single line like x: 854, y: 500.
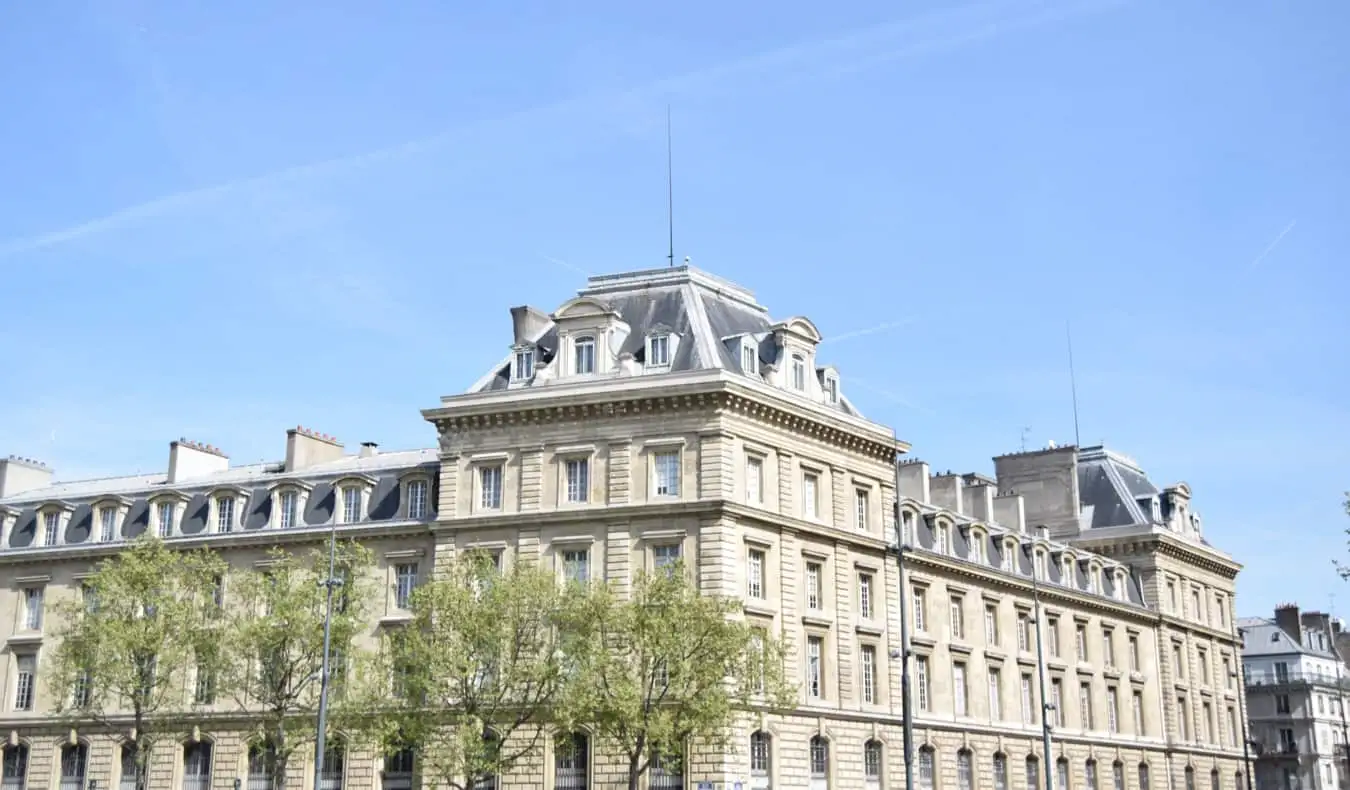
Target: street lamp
x: 330, y: 584
x: 906, y: 710
x: 1046, y: 705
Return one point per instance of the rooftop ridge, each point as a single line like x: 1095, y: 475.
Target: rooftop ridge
x: 669, y: 277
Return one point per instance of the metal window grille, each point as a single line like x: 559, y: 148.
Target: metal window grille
x: 1000, y: 772
x: 15, y: 767
x: 131, y: 773
x: 965, y: 777
x: 1090, y: 774
x: 398, y: 770
x: 926, y: 768
x: 1143, y: 776
x: 197, y: 767
x: 334, y: 765
x: 759, y: 754
x: 872, y: 761
x: 570, y: 767
x: 1033, y: 773
x: 666, y: 773
x: 74, y: 760
x: 1062, y: 774
x: 820, y: 758
x: 260, y: 762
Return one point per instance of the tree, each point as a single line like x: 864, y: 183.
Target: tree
x: 271, y: 653
x: 469, y: 681
x: 669, y: 667
x: 127, y: 646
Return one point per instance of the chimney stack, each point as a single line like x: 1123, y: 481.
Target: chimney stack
x: 528, y: 324
x: 946, y: 491
x: 306, y: 448
x: 21, y: 475
x: 189, y: 460
x: 1288, y: 619
x: 369, y: 449
x: 913, y: 480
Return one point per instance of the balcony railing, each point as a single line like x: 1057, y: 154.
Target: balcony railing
x: 1262, y: 679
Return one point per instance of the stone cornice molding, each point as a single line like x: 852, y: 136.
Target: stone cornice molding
x: 1161, y: 543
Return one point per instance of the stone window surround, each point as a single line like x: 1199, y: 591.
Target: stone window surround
x: 365, y: 486
x: 179, y: 501
x: 301, y: 489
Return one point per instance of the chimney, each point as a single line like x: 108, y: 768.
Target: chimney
x: 912, y: 478
x: 1010, y: 512
x: 977, y: 497
x: 21, y: 475
x: 946, y: 490
x: 190, y: 460
x: 1288, y: 619
x: 528, y: 323
x: 369, y: 449
x: 1048, y: 483
x: 306, y: 448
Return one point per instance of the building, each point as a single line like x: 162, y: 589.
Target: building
x: 1296, y: 685
x: 664, y: 414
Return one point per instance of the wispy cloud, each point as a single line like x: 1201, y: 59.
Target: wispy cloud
x: 890, y: 395
x: 566, y: 265
x: 853, y: 51
x: 872, y: 330
x: 1271, y: 247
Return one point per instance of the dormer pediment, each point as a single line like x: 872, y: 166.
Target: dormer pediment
x: 168, y: 495
x: 800, y: 328
x: 356, y: 479
x: 297, y: 485
x: 584, y: 307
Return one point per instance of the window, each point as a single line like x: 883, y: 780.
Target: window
x: 1190, y: 778
x: 869, y: 673
x: 51, y: 524
x: 1117, y: 775
x: 860, y: 508
x: 417, y: 499
x: 749, y: 359
x: 872, y: 763
x: 261, y: 759
x: 288, y: 503
x: 1033, y: 773
x: 1052, y: 635
x: 1085, y: 707
x: 398, y: 770
x: 1061, y: 774
x: 1197, y: 610
x: 1202, y: 664
x: 577, y: 478
x: 865, y: 595
x: 1183, y: 731
x: 925, y: 768
x: 1143, y: 776
x: 813, y: 571
x: 754, y: 574
x: 80, y: 694
x: 665, y: 555
x: 225, y: 514
x: 820, y: 762
x: 959, y: 688
x: 577, y: 565
x: 1028, y: 708
x: 798, y: 372
x: 1038, y: 565
x: 1221, y: 609
x: 815, y: 647
x: 74, y: 762
x: 907, y: 527
x: 204, y: 686
x: 1207, y: 722
x: 334, y: 766
x: 1056, y: 701
x: 976, y: 547
x: 921, y: 681
x: 658, y: 351
x: 133, y: 775
x: 583, y: 354
x: 107, y: 524
x: 1108, y: 648
x: 26, y: 684
x: 490, y: 487
x: 197, y: 766
x: 667, y: 465
x: 351, y: 505
x: 666, y: 771
x: 1233, y: 728
x: 941, y: 541
x: 405, y: 581
x: 965, y: 779
x: 1172, y: 596
x: 1090, y: 774
x: 810, y: 483
x: 1137, y: 710
x: 523, y: 370
x: 32, y: 608
x: 1023, y: 631
x: 831, y: 389
x: 958, y: 624
x: 1112, y: 714
x: 1080, y: 641
x: 759, y: 760
x: 754, y: 480
x: 920, y: 608
x: 991, y: 625
x: 14, y: 767
x: 1134, y: 653
x: 1001, y: 772
x: 164, y: 518
x: 1008, y: 556
x: 995, y: 695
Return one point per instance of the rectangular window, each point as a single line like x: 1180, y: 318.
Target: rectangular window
x: 815, y: 648
x: 577, y: 565
x: 405, y: 581
x: 813, y: 570
x: 1080, y: 641
x: 869, y: 674
x: 865, y: 595
x: 204, y: 691
x: 660, y: 351
x: 860, y: 507
x: 1207, y: 722
x: 754, y: 481
x: 577, y: 474
x: 1202, y: 663
x: 1057, y: 701
x: 920, y: 609
x: 1233, y: 727
x: 1085, y: 707
x: 991, y: 625
x: 798, y: 372
x: 1221, y: 609
x: 667, y: 464
x: 995, y: 695
x: 1137, y: 711
x: 225, y: 514
x: 749, y: 360
x: 288, y: 503
x: 107, y: 524
x: 32, y: 608
x: 351, y: 505
x: 1052, y: 635
x: 164, y: 521
x: 957, y: 619
x: 1281, y: 703
x: 417, y: 499
x: 524, y: 365
x: 754, y: 574
x: 1178, y: 666
x: 959, y: 688
x: 1183, y: 731
x: 1227, y: 672
x: 665, y: 555
x: 1028, y: 705
x: 490, y: 487
x: 1134, y: 653
x: 1108, y: 648
x: 51, y: 525
x: 26, y: 686
x: 1023, y: 631
x: 584, y: 355
x: 941, y: 543
x: 921, y: 694
x: 809, y: 485
x: 1112, y: 715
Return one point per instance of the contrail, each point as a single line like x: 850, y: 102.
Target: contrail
x: 869, y: 331
x: 890, y: 396
x: 1251, y: 266
x: 566, y: 265
x: 860, y: 48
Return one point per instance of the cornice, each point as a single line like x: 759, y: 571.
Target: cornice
x: 1161, y: 543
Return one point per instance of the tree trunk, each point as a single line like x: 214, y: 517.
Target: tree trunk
x: 634, y: 771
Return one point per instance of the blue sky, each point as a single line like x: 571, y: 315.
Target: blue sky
x: 220, y: 220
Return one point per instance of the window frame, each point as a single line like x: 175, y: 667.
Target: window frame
x: 584, y: 354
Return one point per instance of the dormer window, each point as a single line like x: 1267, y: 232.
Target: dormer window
x: 1121, y: 592
x: 1195, y: 524
x: 1009, y: 549
x: 798, y: 372
x: 164, y: 517
x: 1039, y: 566
x: 583, y: 354
x: 831, y: 389
x: 523, y: 369
x: 288, y: 509
x: 351, y: 504
x: 658, y: 351
x: 51, y: 527
x: 749, y: 359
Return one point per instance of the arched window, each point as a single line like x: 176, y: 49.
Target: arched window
x: 197, y: 766
x: 133, y: 775
x: 1033, y: 773
x: 1062, y: 774
x: 74, y: 761
x: 14, y: 767
x: 334, y: 767
x: 926, y: 767
x: 761, y: 766
x: 1238, y: 781
x: 1214, y: 779
x: 872, y: 764
x: 571, y: 762
x: 1190, y: 778
x: 820, y: 763
x: 965, y: 771
x: 398, y: 770
x: 1117, y: 775
x: 666, y: 771
x: 262, y: 760
x: 1143, y: 776
x: 1090, y: 774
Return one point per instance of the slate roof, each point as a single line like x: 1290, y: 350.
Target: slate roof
x: 1263, y: 637
x: 1109, y: 488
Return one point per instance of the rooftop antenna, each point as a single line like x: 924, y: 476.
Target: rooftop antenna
x: 1073, y: 384
x: 1026, y: 429
x: 670, y: 192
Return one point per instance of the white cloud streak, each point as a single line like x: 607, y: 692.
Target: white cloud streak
x: 851, y: 52
x: 879, y: 328
x: 1271, y: 247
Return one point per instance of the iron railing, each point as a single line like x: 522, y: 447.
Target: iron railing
x: 1295, y: 677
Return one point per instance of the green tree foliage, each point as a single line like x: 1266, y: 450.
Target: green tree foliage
x: 270, y: 656
x: 471, y: 678
x: 129, y: 645
x: 668, y: 667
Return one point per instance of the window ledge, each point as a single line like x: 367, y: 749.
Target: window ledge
x: 403, y: 554
x: 871, y: 629
x: 1111, y: 672
x: 956, y: 647
x: 760, y: 607
x: 820, y: 620
x: 31, y: 638
x: 395, y: 619
x: 923, y: 639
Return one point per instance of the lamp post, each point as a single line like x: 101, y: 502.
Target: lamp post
x: 906, y: 708
x: 1241, y: 675
x: 1046, y: 705
x: 330, y: 584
